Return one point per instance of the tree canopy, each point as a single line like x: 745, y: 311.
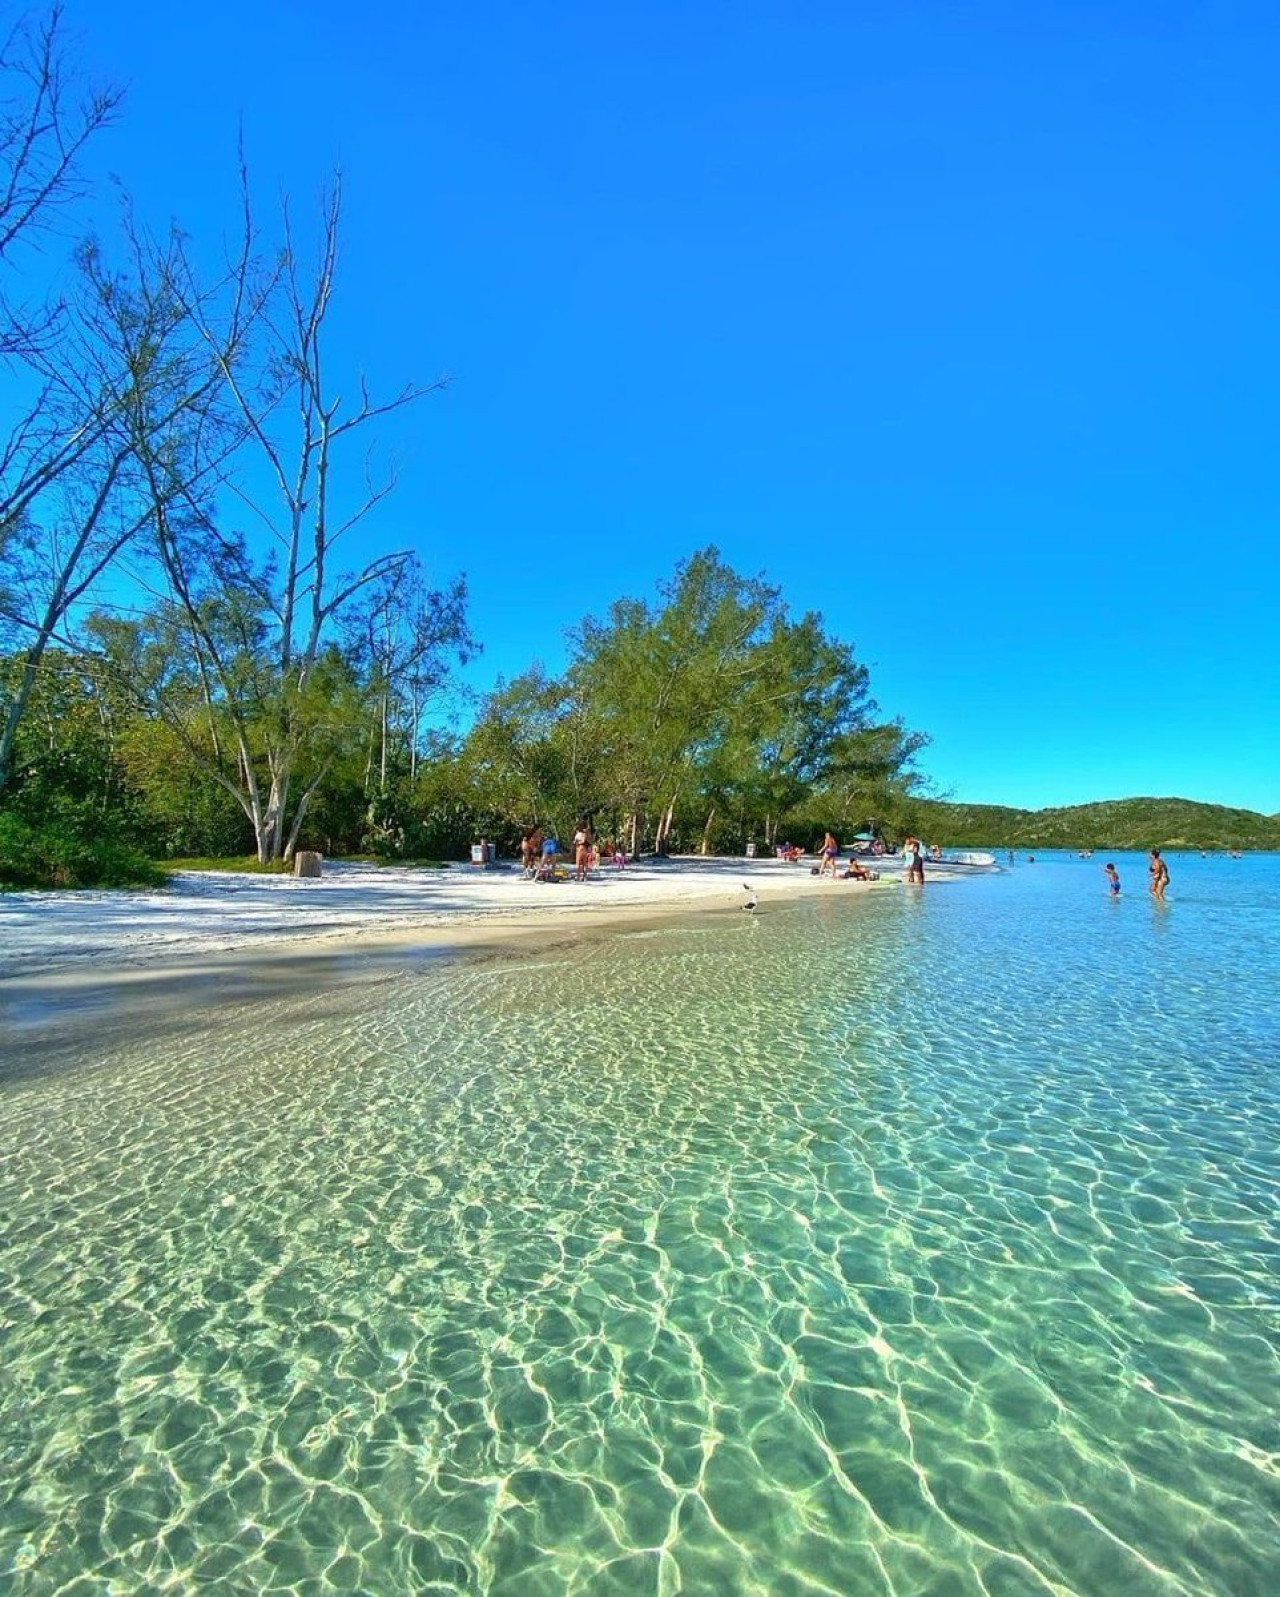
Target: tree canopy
x: 706, y: 718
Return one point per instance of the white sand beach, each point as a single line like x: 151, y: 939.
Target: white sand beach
x: 203, y: 913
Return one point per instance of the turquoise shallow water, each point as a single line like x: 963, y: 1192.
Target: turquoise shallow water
x: 898, y: 1244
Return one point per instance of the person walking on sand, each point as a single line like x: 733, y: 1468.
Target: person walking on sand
x: 1159, y: 873
x: 830, y: 854
x: 1113, y: 878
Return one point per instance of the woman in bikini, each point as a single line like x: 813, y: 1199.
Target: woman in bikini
x: 582, y: 853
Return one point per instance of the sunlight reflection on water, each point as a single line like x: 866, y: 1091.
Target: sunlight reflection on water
x: 916, y: 1243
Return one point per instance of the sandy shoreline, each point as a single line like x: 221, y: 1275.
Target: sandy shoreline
x: 69, y: 961
x: 61, y: 937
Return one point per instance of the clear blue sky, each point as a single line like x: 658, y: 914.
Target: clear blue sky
x: 957, y: 320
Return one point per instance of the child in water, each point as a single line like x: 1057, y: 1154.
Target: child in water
x: 1113, y: 878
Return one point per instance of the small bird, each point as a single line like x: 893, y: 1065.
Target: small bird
x: 750, y: 904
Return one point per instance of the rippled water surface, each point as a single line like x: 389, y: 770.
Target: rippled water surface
x: 900, y: 1243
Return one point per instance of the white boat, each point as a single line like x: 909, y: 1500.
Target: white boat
x: 961, y: 859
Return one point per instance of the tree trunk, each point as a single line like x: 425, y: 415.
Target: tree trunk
x: 304, y: 804
x: 706, y: 831
x: 664, y: 828
x: 17, y: 708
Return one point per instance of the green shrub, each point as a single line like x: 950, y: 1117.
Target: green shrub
x: 54, y: 856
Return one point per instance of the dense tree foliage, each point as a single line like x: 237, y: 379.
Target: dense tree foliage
x: 707, y: 719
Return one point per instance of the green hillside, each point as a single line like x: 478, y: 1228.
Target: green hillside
x: 1113, y: 823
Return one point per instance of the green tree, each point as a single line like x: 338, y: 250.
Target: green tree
x: 661, y: 682
x: 405, y: 639
x: 709, y: 712
x: 872, y: 780
x: 806, y: 695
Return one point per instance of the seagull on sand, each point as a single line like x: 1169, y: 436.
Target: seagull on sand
x: 750, y: 904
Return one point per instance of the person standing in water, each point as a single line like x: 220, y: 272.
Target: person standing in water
x: 1113, y: 878
x: 1159, y: 872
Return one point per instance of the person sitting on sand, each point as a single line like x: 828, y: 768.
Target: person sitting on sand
x: 855, y: 873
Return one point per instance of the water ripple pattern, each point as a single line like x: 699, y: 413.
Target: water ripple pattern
x: 907, y: 1244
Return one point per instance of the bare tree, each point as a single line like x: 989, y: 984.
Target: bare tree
x: 46, y: 120
x: 136, y: 391
x: 47, y: 117
x: 86, y: 357
x: 132, y: 379
x: 271, y: 730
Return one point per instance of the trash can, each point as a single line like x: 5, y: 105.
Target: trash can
x: 751, y: 851
x: 477, y: 853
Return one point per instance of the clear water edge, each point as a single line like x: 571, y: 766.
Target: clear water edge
x: 913, y: 1244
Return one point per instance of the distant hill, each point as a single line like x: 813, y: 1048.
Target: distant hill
x: 1114, y: 823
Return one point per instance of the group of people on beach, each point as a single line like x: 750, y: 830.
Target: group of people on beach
x: 828, y: 856
x: 540, y: 853
x: 828, y: 852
